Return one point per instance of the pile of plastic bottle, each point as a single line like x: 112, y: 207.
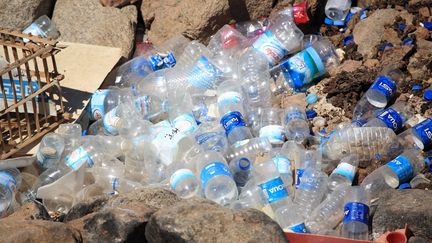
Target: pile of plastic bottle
x: 200, y: 121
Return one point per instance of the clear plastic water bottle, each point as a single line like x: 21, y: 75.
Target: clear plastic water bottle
x: 329, y: 213
x: 400, y: 170
x: 304, y: 67
x: 211, y: 136
x: 356, y: 214
x: 296, y: 124
x: 307, y: 159
x: 249, y: 147
x: 72, y: 135
x: 283, y: 165
x: 230, y: 104
x: 419, y: 136
x: 292, y: 218
x: 50, y: 150
x: 227, y: 41
x: 281, y: 38
x: 250, y: 197
x: 104, y: 100
x: 42, y: 27
x: 337, y: 9
x: 393, y: 117
x: 181, y: 114
x: 184, y: 183
x: 311, y: 190
x: 241, y: 169
x: 378, y: 95
x: 10, y: 181
x: 216, y: 178
x: 344, y: 172
x: 270, y: 126
x: 297, y: 13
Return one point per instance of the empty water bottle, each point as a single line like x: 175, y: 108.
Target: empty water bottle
x: 337, y: 9
x: 241, y: 169
x: 283, y: 165
x: 250, y: 147
x: 344, y: 172
x: 184, y: 183
x: 181, y: 114
x: 270, y: 126
x: 50, y: 150
x: 311, y: 190
x: 42, y: 27
x: 356, y: 214
x: 419, y: 136
x: 296, y: 124
x: 10, y: 181
x: 291, y: 219
x: 307, y: 159
x: 393, y: 117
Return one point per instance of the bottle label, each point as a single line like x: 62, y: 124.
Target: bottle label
x: 213, y: 169
x: 298, y: 228
x: 295, y: 114
x: 229, y: 98
x: 302, y: 68
x: 110, y: 122
x: 161, y: 61
x: 77, y: 158
x: 274, y: 190
x: 402, y: 168
x: 7, y: 178
x: 185, y: 123
x: 232, y: 120
x: 346, y: 170
x: 283, y: 164
x: 203, y: 74
x: 354, y: 211
x: 424, y: 132
x: 384, y: 85
x: 391, y: 118
x: 309, y: 183
x: 204, y: 137
x: 97, y: 104
x: 34, y: 29
x: 275, y: 133
x: 271, y: 47
x: 179, y: 176
x: 299, y: 174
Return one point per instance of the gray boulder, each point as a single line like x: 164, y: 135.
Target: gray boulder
x: 18, y: 14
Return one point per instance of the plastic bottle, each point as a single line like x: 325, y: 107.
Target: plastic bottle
x: 393, y: 117
x: 184, y: 183
x: 400, y: 170
x: 211, y: 136
x: 216, y: 178
x: 72, y: 135
x: 344, y: 172
x: 419, y: 136
x: 241, y: 169
x: 296, y: 125
x: 251, y: 147
x: 104, y: 100
x: 311, y: 190
x: 378, y: 95
x: 283, y: 165
x: 292, y: 218
x: 281, y: 38
x: 329, y: 213
x: 50, y: 150
x: 42, y: 27
x: 307, y: 159
x: 10, y: 181
x: 337, y: 9
x: 356, y: 214
x: 230, y: 104
x: 270, y: 126
x: 181, y: 114
x: 227, y: 41
x: 297, y: 13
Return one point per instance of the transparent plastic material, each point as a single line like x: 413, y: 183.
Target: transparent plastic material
x: 344, y: 173
x: 337, y: 9
x: 393, y: 117
x: 50, y: 150
x: 43, y: 27
x: 311, y: 190
x: 296, y: 125
x: 356, y: 220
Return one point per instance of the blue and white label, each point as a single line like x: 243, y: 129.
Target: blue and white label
x: 355, y: 211
x: 232, y: 120
x: 97, y: 104
x: 295, y: 114
x: 391, y: 118
x: 283, y: 164
x: 8, y: 178
x: 346, y: 170
x: 110, y: 122
x: 274, y: 190
x: 203, y: 74
x: 424, y: 132
x: 213, y: 169
x: 299, y: 174
x: 160, y: 60
x: 402, y: 168
x: 385, y: 85
x: 8, y: 89
x: 298, y: 228
x: 186, y: 123
x: 275, y: 133
x: 204, y: 137
x: 77, y: 158
x: 271, y: 47
x: 303, y: 68
x: 229, y: 98
x: 179, y: 176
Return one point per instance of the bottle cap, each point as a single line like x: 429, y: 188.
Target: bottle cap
x: 348, y: 40
x: 427, y: 25
x: 363, y: 13
x: 428, y: 161
x: 408, y: 42
x: 300, y: 13
x: 384, y: 46
x: 311, y: 98
x: 416, y: 87
x: 402, y: 26
x: 428, y: 95
x: 311, y: 114
x: 405, y: 186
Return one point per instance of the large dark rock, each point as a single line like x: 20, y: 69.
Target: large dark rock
x: 18, y: 14
x: 420, y: 64
x: 399, y: 207
x: 243, y: 10
x: 87, y: 21
x: 199, y: 220
x: 14, y: 230
x: 88, y: 206
x: 31, y: 211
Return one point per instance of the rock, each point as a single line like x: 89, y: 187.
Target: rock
x: 408, y: 17
x: 18, y: 14
x: 192, y: 18
x: 87, y: 21
x: 86, y: 207
x: 243, y: 10
x: 199, y: 220
x: 424, y: 12
x: 415, y: 239
x: 422, y: 33
x: 156, y: 197
x: 397, y: 56
x: 420, y: 64
x: 371, y: 63
x: 369, y: 32
x: 399, y: 207
x: 117, y: 3
x: 13, y: 230
x: 31, y: 211
x: 297, y: 99
x: 390, y: 35
x: 415, y: 5
x: 347, y: 66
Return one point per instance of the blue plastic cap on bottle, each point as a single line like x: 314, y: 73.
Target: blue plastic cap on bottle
x: 402, y: 26
x: 405, y: 186
x: 311, y: 114
x: 348, y: 40
x: 84, y: 133
x: 408, y: 42
x: 416, y: 87
x: 428, y: 25
x: 384, y: 46
x: 311, y: 98
x: 428, y: 161
x: 428, y: 95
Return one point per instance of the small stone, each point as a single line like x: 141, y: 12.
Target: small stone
x: 297, y: 99
x: 424, y: 12
x: 422, y: 33
x: 347, y: 66
x: 371, y: 63
x: 391, y: 36
x: 31, y: 211
x: 396, y: 56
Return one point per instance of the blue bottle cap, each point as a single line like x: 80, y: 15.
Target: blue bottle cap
x: 328, y: 21
x: 428, y: 25
x: 311, y: 114
x: 311, y: 98
x: 416, y: 87
x: 384, y: 46
x: 348, y: 40
x: 363, y: 13
x: 428, y: 95
x: 405, y: 186
x: 402, y: 26
x: 408, y: 42
x: 428, y: 161
x: 84, y: 133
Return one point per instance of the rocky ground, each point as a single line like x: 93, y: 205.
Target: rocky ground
x: 157, y: 215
